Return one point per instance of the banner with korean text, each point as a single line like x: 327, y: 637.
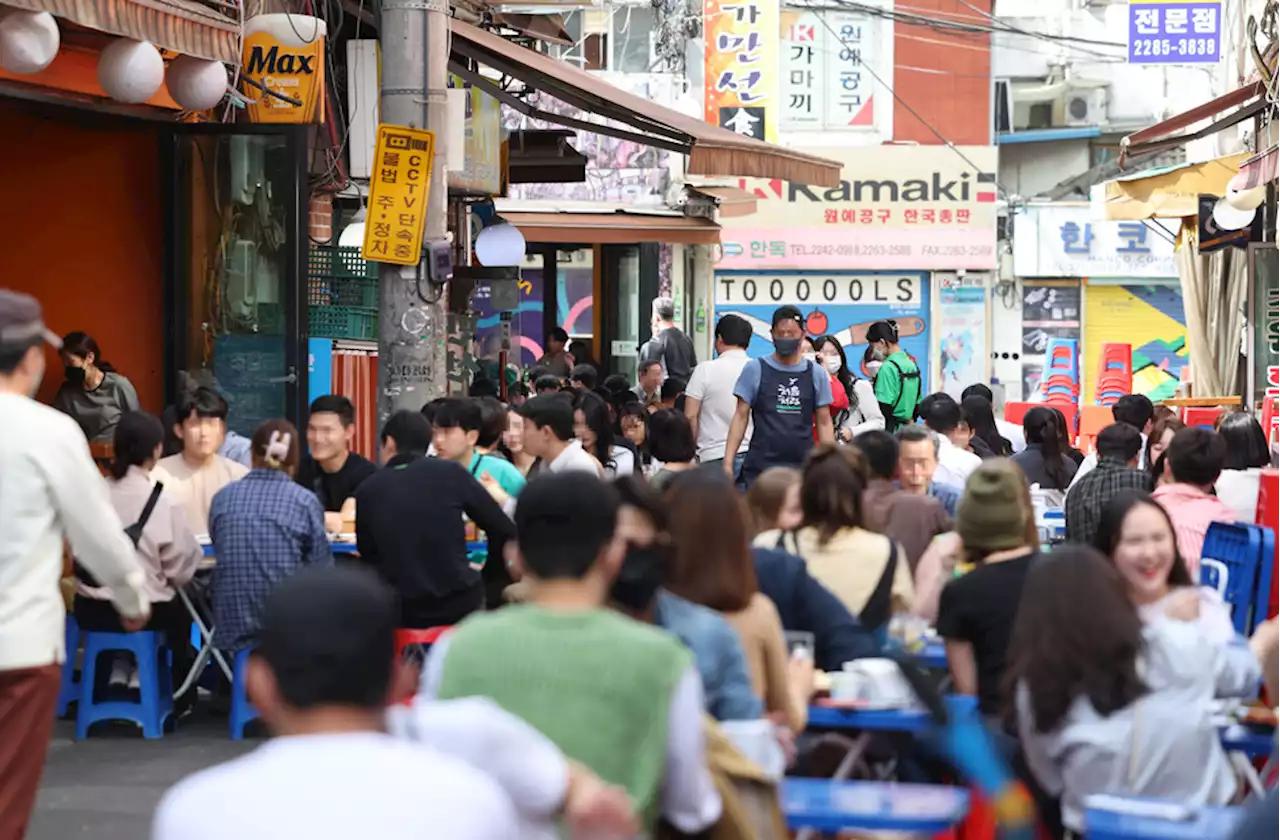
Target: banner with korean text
x: 741, y: 66
x: 898, y: 207
x: 1175, y: 31
x: 1065, y: 240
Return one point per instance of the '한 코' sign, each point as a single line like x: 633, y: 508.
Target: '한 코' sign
x: 1163, y: 32
x: 398, y: 195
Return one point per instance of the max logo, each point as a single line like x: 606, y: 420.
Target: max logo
x: 272, y: 62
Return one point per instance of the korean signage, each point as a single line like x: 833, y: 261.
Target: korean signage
x: 1175, y: 32
x: 826, y: 83
x: 1066, y: 241
x: 398, y: 195
x: 741, y: 70
x: 899, y: 207
x: 290, y: 63
x: 839, y: 303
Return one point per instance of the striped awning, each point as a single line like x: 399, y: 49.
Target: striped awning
x: 184, y: 26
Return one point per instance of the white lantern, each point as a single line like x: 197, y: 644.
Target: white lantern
x: 130, y: 71
x: 500, y: 245
x: 196, y: 84
x: 28, y: 41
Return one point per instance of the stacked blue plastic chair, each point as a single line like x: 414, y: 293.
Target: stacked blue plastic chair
x: 1236, y: 562
x: 69, y: 689
x: 155, y: 680
x: 1062, y: 372
x: 242, y: 711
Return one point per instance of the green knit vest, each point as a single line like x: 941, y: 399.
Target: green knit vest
x: 596, y: 683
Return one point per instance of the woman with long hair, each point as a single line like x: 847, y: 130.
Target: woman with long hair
x: 774, y: 500
x: 1043, y: 461
x: 513, y: 443
x: 867, y: 571
x: 862, y: 414
x: 713, y: 567
x: 1158, y: 441
x: 980, y: 416
x: 1068, y: 443
x: 593, y: 430
x: 1247, y: 456
x: 1105, y: 703
x: 671, y: 444
x: 94, y: 395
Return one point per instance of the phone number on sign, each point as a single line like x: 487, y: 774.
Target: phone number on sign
x: 1154, y: 47
x: 850, y: 250
x: 956, y: 250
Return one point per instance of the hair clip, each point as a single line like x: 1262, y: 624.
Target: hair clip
x: 278, y: 448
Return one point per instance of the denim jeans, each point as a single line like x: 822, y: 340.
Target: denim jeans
x: 737, y: 464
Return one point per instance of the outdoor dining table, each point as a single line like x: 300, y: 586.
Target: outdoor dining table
x: 829, y: 807
x: 867, y: 722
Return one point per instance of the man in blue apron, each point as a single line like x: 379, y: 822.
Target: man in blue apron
x: 787, y: 397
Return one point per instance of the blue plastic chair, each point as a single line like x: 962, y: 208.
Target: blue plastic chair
x: 69, y: 689
x: 154, y: 677
x: 1230, y: 563
x: 242, y: 711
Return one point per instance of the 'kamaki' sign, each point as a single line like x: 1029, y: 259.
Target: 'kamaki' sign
x: 398, y: 195
x: 287, y: 60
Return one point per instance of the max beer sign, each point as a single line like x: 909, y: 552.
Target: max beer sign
x: 284, y: 54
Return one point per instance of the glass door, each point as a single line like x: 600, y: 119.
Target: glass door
x: 237, y: 253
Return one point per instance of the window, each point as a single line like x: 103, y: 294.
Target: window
x: 632, y: 37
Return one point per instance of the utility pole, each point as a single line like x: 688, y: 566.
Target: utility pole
x: 414, y: 36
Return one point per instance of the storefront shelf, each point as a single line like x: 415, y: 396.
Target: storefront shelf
x: 353, y: 322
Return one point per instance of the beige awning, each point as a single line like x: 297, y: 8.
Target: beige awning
x: 730, y: 201
x: 712, y: 150
x: 183, y: 26
x: 613, y: 228
x: 1167, y: 192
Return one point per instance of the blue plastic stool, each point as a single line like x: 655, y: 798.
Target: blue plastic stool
x: 154, y: 677
x: 69, y: 689
x: 242, y: 711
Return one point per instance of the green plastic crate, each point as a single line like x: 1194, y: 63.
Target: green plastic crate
x: 332, y: 261
x: 343, y: 291
x: 354, y: 322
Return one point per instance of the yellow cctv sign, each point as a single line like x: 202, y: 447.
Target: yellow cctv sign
x: 398, y: 195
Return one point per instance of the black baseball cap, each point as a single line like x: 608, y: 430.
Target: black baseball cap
x: 22, y: 321
x: 787, y: 313
x: 328, y: 636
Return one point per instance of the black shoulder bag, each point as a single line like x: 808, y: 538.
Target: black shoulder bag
x: 133, y: 532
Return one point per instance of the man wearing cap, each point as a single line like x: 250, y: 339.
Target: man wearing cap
x: 49, y: 490
x: 784, y: 396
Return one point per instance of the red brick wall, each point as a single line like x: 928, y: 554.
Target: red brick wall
x: 320, y: 218
x: 945, y: 77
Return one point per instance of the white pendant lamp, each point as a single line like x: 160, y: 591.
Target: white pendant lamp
x: 130, y: 71
x: 1237, y: 209
x: 28, y: 40
x: 195, y: 83
x: 500, y: 245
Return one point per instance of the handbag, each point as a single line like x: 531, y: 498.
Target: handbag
x: 133, y: 532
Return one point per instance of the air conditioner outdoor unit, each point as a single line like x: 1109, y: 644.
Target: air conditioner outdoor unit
x: 1081, y: 106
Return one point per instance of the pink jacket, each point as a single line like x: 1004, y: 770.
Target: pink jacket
x: 1192, y: 510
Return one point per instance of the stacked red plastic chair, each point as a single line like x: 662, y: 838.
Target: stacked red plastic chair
x: 1115, y: 373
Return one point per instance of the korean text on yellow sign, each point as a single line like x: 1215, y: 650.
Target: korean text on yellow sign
x: 398, y: 195
x: 741, y: 70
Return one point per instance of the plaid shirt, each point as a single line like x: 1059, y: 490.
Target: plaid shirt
x: 264, y: 527
x: 1088, y: 496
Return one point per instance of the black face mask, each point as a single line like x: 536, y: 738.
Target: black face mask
x: 75, y: 375
x: 641, y: 577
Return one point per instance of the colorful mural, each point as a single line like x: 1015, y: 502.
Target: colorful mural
x: 573, y: 312
x: 1150, y: 317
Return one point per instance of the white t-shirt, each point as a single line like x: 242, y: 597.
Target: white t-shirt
x: 574, y: 459
x: 1013, y: 433
x: 712, y: 385
x: 955, y: 465
x: 338, y: 787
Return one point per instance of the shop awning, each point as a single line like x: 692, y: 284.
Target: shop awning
x: 730, y: 201
x: 712, y: 150
x: 613, y: 228
x: 1257, y: 170
x: 1167, y: 192
x: 1162, y: 135
x: 183, y: 26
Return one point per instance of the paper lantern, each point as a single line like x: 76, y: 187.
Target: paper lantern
x: 130, y: 71
x: 500, y: 245
x: 28, y: 41
x: 195, y: 83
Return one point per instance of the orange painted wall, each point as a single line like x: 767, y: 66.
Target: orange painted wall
x: 82, y: 231
x: 944, y: 76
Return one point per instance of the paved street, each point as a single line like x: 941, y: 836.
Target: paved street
x: 106, y: 788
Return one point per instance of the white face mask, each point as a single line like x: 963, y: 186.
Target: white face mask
x: 832, y: 363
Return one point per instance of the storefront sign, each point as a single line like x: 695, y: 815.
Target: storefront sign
x: 962, y: 333
x: 826, y: 85
x: 843, y: 304
x: 900, y: 207
x: 1162, y: 32
x: 398, y: 195
x: 1054, y: 240
x: 289, y: 62
x: 482, y: 170
x: 741, y: 68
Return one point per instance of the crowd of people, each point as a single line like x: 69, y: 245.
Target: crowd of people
x: 621, y: 639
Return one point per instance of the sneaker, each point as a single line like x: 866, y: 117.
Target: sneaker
x: 120, y: 672
x: 135, y: 684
